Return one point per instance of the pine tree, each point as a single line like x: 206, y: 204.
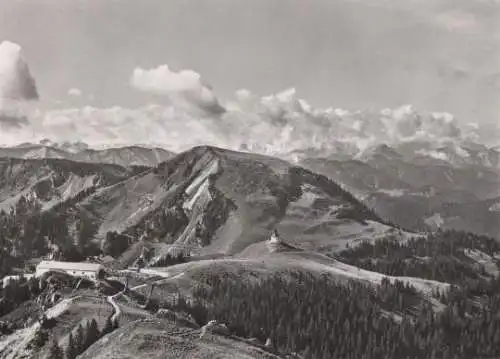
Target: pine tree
x: 108, y: 326
x: 55, y: 351
x: 80, y: 339
x: 71, y: 350
x: 92, y: 333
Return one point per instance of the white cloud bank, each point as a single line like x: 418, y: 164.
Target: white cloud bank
x: 279, y: 124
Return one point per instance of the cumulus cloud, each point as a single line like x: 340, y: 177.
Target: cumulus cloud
x: 17, y: 87
x: 16, y: 82
x: 74, y: 92
x: 184, y: 87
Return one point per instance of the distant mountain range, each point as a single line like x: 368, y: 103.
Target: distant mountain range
x: 123, y: 156
x: 419, y: 191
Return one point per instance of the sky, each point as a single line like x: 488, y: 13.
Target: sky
x: 437, y: 55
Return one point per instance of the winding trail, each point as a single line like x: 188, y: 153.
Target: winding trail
x: 116, y: 307
x: 165, y: 276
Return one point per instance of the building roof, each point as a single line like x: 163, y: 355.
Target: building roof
x: 77, y: 266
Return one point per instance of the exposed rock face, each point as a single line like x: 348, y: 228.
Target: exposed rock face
x: 274, y: 243
x: 275, y: 238
x: 213, y: 327
x: 178, y: 318
x: 269, y: 343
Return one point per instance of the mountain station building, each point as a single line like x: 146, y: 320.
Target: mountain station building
x: 78, y: 269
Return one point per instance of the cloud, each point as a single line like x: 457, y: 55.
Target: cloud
x: 11, y: 122
x: 165, y: 126
x: 74, y: 92
x: 280, y: 124
x: 17, y: 87
x: 16, y: 82
x: 458, y: 20
x: 184, y: 88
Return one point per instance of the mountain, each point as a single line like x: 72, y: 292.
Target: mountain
x: 220, y: 201
x: 48, y: 182
x: 418, y: 191
x: 207, y: 199
x: 452, y: 153
x: 32, y: 151
x: 123, y: 156
x: 219, y: 252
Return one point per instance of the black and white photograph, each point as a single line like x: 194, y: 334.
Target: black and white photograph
x: 249, y: 179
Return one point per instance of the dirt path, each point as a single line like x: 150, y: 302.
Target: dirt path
x: 116, y: 307
x: 15, y: 345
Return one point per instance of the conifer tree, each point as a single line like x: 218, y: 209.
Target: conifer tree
x: 71, y: 350
x: 55, y: 351
x: 108, y: 326
x: 92, y: 333
x: 80, y: 339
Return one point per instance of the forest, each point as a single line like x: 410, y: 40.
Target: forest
x: 320, y: 318
x: 440, y: 256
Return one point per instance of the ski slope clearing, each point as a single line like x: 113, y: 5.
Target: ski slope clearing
x: 183, y: 277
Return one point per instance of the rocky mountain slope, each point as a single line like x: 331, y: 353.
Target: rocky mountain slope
x: 222, y: 201
x: 208, y: 200
x: 47, y: 182
x: 420, y: 191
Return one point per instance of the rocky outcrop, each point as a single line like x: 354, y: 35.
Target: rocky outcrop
x: 213, y: 327
x: 176, y: 317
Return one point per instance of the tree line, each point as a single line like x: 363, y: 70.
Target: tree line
x: 321, y: 318
x: 440, y: 256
